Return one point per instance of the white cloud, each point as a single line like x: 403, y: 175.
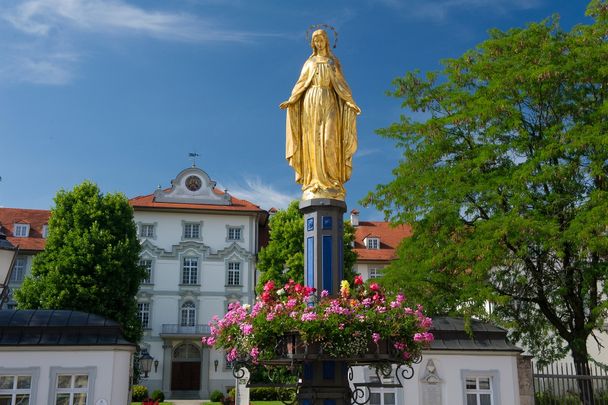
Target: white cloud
x: 42, y: 17
x: 440, y: 9
x: 256, y: 191
x: 366, y: 152
x: 38, y: 33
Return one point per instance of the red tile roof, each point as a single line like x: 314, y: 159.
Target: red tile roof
x: 147, y: 201
x: 389, y: 236
x: 35, y: 218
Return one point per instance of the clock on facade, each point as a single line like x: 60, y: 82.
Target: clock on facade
x: 193, y: 183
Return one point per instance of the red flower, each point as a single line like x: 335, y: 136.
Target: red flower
x: 266, y: 296
x: 269, y: 286
x: 358, y: 280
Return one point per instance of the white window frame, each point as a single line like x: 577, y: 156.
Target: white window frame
x: 189, y: 273
x: 19, y: 269
x: 234, y: 233
x: 234, y: 270
x: 187, y: 314
x: 374, y: 272
x: 144, y: 314
x: 494, y: 391
x: 372, y: 243
x: 188, y: 230
x: 382, y: 391
x: 149, y: 269
x: 32, y: 372
x: 21, y: 230
x: 55, y: 372
x: 45, y: 231
x: 147, y: 231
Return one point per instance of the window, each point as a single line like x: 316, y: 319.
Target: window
x: 382, y: 398
x: 372, y: 243
x: 375, y: 272
x: 188, y: 315
x: 478, y: 390
x: 234, y: 233
x: 147, y: 265
x: 15, y: 389
x: 45, y: 231
x: 18, y: 270
x: 146, y: 230
x: 190, y: 270
x: 192, y: 231
x: 234, y: 273
x: 143, y: 310
x: 21, y: 230
x: 71, y: 389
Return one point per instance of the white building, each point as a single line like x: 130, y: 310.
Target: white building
x: 199, y: 245
x: 63, y: 357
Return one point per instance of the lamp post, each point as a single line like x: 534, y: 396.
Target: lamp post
x: 145, y: 362
x: 8, y: 253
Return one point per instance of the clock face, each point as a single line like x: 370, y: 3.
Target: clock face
x: 193, y: 183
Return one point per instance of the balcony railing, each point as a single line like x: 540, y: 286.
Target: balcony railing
x: 176, y: 329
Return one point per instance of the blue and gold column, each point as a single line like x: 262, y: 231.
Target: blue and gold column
x: 325, y: 382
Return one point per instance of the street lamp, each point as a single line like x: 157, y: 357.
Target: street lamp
x: 8, y: 252
x: 145, y: 362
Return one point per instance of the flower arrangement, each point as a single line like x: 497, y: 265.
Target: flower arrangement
x: 347, y: 326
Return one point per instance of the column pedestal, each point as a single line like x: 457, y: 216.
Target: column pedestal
x: 324, y: 382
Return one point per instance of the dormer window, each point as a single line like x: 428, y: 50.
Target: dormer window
x: 45, y: 231
x: 372, y: 243
x: 21, y: 230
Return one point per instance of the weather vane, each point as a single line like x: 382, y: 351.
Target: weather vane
x: 193, y: 155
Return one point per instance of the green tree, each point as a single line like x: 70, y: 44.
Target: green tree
x: 505, y: 182
x: 90, y: 262
x: 283, y: 258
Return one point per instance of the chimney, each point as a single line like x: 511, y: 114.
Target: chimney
x: 354, y: 218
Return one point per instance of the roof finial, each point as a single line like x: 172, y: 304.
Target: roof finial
x: 193, y: 155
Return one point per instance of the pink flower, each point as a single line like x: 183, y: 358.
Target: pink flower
x: 309, y: 316
x: 374, y: 287
x: 341, y: 326
x: 246, y: 329
x: 232, y: 354
x: 424, y: 337
x: 210, y: 341
x: 376, y: 337
x: 324, y: 293
x: 270, y: 316
x: 255, y: 353
x: 358, y: 280
x: 269, y: 286
x: 426, y: 322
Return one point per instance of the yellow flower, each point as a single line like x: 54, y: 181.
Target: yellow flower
x: 344, y: 288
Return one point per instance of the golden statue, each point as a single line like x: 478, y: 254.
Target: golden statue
x: 321, y: 124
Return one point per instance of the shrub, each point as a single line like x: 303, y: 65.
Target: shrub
x: 139, y: 393
x: 158, y: 395
x: 216, y: 396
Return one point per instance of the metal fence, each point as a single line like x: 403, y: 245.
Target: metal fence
x: 567, y: 384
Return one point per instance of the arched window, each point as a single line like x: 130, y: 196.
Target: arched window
x: 187, y: 352
x: 188, y: 317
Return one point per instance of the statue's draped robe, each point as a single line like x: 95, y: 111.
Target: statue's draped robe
x: 321, y: 130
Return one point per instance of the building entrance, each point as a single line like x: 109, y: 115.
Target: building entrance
x: 186, y: 368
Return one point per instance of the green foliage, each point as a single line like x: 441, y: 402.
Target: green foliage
x: 269, y: 394
x: 90, y: 262
x: 139, y: 393
x: 504, y: 179
x: 283, y: 258
x: 158, y: 395
x: 549, y: 398
x: 216, y: 396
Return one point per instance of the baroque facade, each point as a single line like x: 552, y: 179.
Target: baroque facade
x: 199, y: 245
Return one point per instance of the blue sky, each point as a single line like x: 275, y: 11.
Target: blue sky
x: 120, y: 91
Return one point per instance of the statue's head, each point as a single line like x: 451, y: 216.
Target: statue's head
x: 319, y: 40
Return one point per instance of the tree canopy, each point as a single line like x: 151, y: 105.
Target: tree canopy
x: 91, y: 259
x: 505, y: 183
x: 283, y: 258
